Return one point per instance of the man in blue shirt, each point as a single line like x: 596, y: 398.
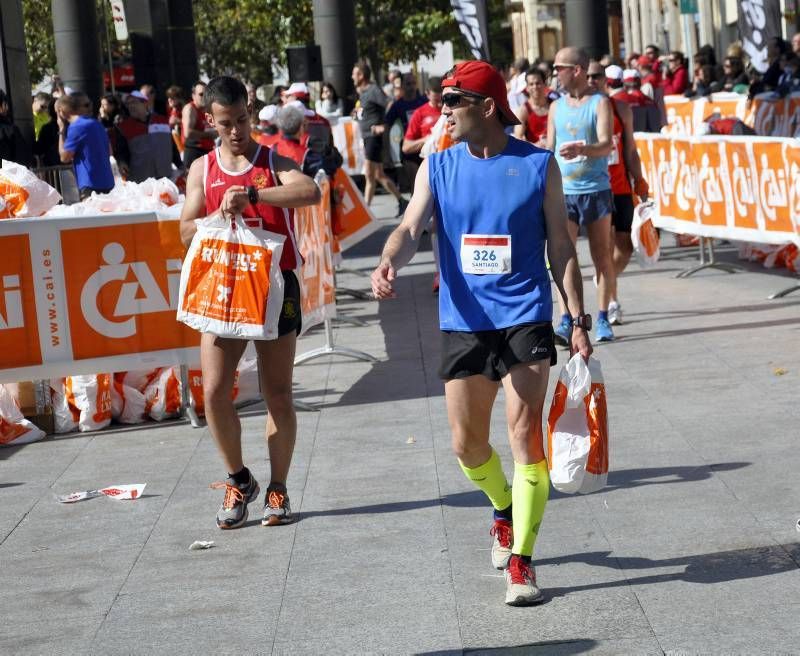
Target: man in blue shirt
x: 497, y: 203
x: 83, y: 141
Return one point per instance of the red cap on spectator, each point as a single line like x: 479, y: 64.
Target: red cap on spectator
x: 481, y: 78
x: 644, y: 60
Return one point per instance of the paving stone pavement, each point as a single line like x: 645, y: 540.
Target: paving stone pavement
x: 692, y: 548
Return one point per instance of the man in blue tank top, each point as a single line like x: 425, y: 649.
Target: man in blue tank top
x: 580, y: 133
x: 497, y: 203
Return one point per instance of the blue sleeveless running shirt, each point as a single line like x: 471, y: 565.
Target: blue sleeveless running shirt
x: 498, y: 197
x: 589, y: 174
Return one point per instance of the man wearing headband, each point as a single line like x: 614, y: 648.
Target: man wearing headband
x: 497, y: 203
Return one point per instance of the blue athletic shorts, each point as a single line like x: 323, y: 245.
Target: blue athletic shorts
x: 587, y: 208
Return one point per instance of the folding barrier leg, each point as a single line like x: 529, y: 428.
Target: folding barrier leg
x: 331, y: 349
x: 711, y: 263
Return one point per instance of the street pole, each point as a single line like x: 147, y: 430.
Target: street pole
x: 108, y: 49
x: 587, y: 26
x: 77, y: 46
x: 334, y: 31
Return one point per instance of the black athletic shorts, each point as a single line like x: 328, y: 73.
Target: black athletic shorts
x: 622, y: 216
x: 291, y: 318
x: 373, y: 149
x: 492, y: 353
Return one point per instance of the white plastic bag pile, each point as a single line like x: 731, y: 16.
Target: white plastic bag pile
x: 149, y: 196
x: 23, y: 194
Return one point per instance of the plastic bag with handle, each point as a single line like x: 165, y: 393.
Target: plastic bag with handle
x: 231, y: 283
x: 577, y: 429
x: 646, y: 242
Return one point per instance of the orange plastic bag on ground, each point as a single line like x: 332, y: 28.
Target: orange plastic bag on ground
x: 577, y: 429
x: 646, y: 242
x: 14, y: 428
x: 231, y: 282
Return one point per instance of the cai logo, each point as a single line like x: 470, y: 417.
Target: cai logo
x: 12, y: 296
x: 138, y: 294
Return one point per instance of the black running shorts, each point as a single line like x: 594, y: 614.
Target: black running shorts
x: 373, y: 148
x: 291, y: 318
x: 622, y: 216
x: 492, y: 353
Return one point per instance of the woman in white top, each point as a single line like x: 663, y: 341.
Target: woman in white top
x: 329, y: 105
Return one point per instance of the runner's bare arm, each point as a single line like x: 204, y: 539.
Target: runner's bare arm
x: 551, y: 128
x: 605, y: 131
x: 521, y: 113
x: 404, y: 240
x: 562, y: 256
x: 295, y: 190
x: 195, y: 205
x: 629, y: 152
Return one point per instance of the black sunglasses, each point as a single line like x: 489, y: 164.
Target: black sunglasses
x: 596, y: 76
x: 456, y: 99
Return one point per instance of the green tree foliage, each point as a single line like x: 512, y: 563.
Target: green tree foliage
x: 39, y: 43
x: 243, y: 37
x: 403, y: 30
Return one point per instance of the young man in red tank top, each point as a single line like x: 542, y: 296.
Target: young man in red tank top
x: 243, y: 177
x: 624, y: 166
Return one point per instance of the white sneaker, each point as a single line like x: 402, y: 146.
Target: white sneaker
x: 501, y: 546
x: 521, y: 588
x: 614, y: 313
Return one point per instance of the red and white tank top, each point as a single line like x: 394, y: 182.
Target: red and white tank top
x: 201, y: 125
x: 617, y: 172
x: 261, y: 175
x: 535, y: 126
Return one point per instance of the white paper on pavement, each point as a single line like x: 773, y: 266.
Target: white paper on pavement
x: 118, y: 492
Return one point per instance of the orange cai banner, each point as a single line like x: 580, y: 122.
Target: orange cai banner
x: 352, y: 219
x: 348, y: 140
x: 742, y: 188
x: 315, y: 242
x: 87, y: 294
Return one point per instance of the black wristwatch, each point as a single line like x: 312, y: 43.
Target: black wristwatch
x: 252, y: 194
x: 583, y: 321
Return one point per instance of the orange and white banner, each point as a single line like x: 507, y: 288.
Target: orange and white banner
x: 743, y: 188
x: 347, y: 139
x: 352, y: 218
x: 80, y: 295
x: 767, y: 114
x: 315, y: 242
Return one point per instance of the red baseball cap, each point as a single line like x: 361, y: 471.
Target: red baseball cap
x: 644, y: 60
x: 481, y: 78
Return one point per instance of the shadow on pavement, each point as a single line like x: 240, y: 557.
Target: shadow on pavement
x: 717, y: 567
x: 549, y: 647
x: 711, y: 329
x: 625, y: 478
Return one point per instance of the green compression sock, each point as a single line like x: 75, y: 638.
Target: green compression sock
x: 530, y: 491
x: 490, y: 478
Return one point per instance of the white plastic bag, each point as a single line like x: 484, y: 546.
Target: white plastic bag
x: 646, y: 242
x: 23, y: 193
x: 91, y: 397
x: 231, y: 282
x: 577, y: 429
x: 14, y: 428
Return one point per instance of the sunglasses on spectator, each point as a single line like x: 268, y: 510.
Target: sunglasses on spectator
x: 559, y: 67
x: 596, y: 76
x: 455, y: 99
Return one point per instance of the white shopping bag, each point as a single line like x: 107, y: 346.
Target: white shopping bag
x: 231, y: 282
x: 14, y: 428
x: 577, y: 429
x: 646, y: 242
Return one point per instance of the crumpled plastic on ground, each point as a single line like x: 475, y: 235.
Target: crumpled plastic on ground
x: 118, y: 492
x: 152, y: 195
